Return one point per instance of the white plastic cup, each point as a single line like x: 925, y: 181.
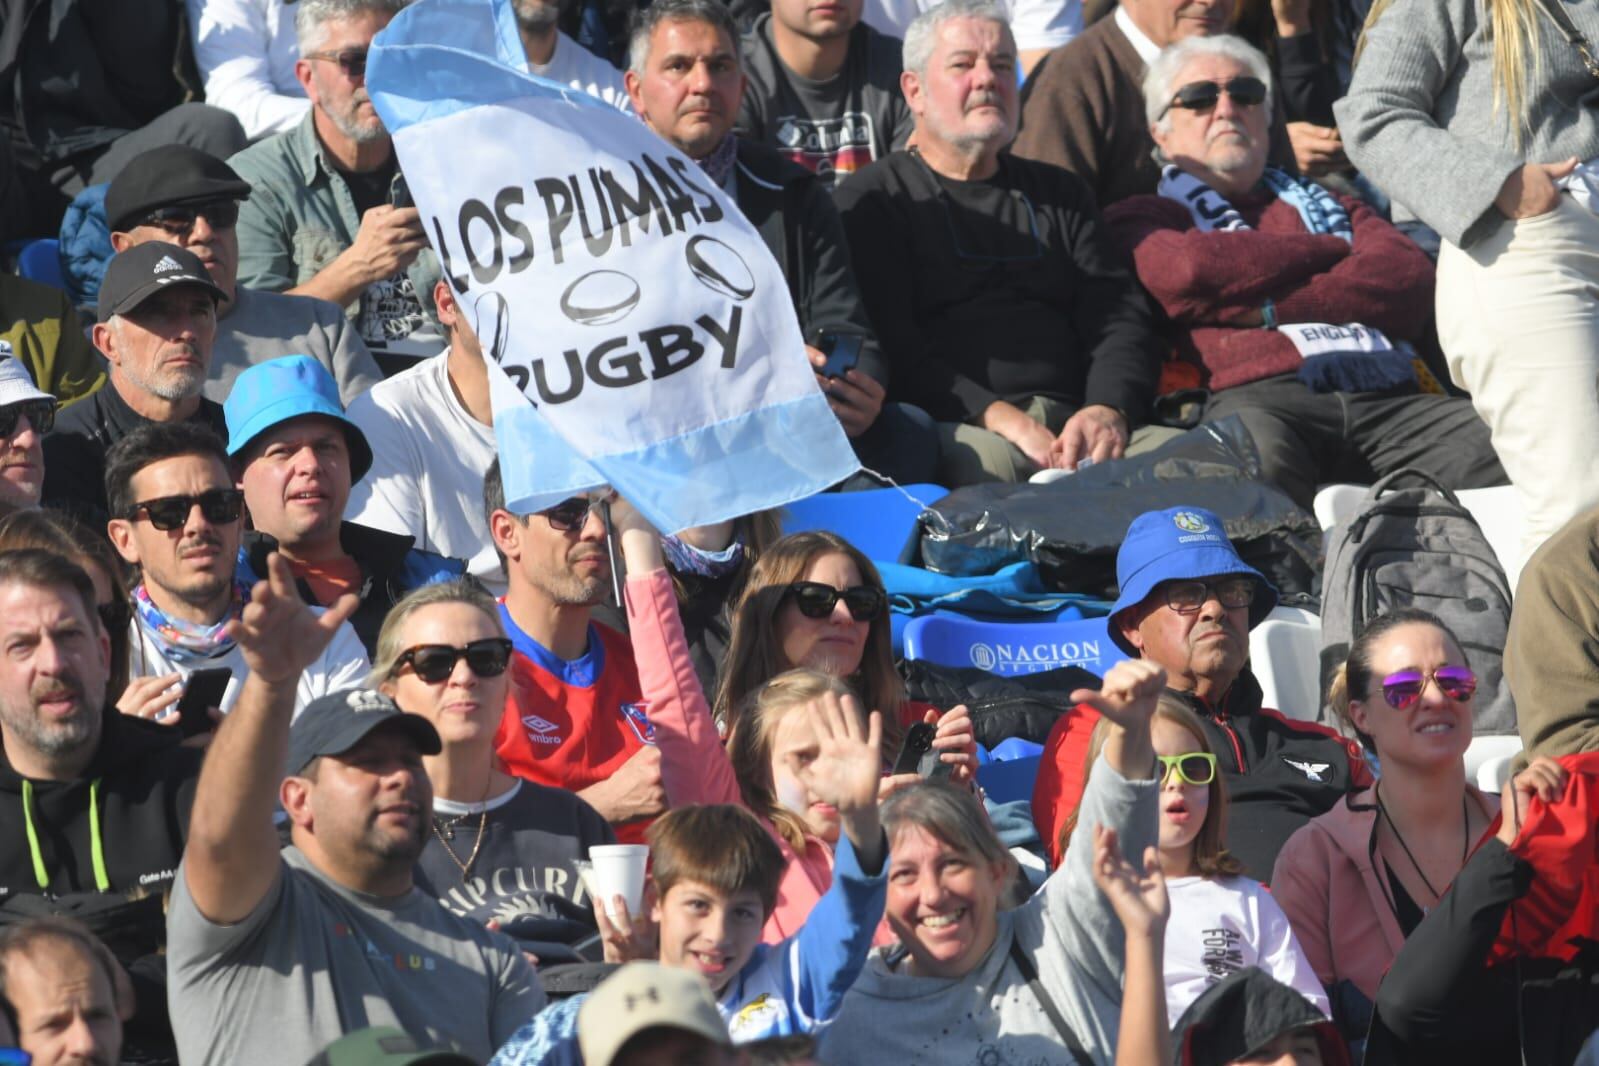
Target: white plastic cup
x: 619, y: 871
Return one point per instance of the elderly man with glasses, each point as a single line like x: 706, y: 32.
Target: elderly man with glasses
x: 185, y: 197
x: 1299, y: 309
x: 1187, y: 603
x: 996, y: 300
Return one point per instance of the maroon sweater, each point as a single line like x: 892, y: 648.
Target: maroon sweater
x: 1203, y: 280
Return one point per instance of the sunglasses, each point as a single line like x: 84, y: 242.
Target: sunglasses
x: 41, y: 416
x: 1403, y: 690
x: 1194, y: 767
x: 219, y: 506
x: 433, y: 663
x: 179, y: 219
x: 816, y: 600
x: 1203, y: 95
x: 570, y: 513
x: 1187, y: 597
x: 350, y: 60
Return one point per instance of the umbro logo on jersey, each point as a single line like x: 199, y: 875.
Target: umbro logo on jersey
x: 539, y: 730
x: 167, y: 263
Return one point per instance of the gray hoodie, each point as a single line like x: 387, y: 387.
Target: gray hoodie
x: 990, y: 1017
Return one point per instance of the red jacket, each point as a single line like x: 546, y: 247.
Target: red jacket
x: 1561, y: 843
x: 1203, y: 280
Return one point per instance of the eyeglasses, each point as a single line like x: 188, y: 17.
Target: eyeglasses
x: 570, y: 513
x: 350, y: 60
x: 1204, y: 95
x: 816, y: 600
x: 41, y: 416
x: 179, y: 219
x: 1403, y: 690
x: 1187, y: 597
x: 114, y: 616
x: 433, y: 663
x: 1194, y: 767
x: 219, y: 506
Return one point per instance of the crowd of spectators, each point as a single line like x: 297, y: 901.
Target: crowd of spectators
x: 307, y: 736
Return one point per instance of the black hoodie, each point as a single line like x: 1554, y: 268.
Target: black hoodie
x: 1244, y: 1012
x: 138, y: 790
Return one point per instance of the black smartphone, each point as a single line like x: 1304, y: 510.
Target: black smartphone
x: 400, y: 192
x: 843, y: 351
x: 203, y: 690
x: 917, y: 744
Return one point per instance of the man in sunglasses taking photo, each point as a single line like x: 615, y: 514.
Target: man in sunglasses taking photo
x: 178, y: 517
x: 1187, y: 603
x: 185, y: 197
x: 1301, y: 307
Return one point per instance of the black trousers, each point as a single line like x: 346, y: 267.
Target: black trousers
x: 1310, y: 438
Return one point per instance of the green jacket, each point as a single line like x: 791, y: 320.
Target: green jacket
x: 41, y: 327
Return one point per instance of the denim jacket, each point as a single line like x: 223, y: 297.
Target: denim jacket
x: 300, y: 216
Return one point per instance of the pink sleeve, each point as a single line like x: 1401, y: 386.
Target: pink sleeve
x: 694, y: 767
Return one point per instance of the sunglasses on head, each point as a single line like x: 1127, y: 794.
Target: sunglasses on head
x: 350, y: 60
x: 1194, y: 767
x: 41, y: 416
x: 1186, y: 597
x: 816, y: 600
x: 219, y: 506
x: 1403, y: 690
x: 1204, y: 95
x: 178, y: 219
x: 569, y: 513
x: 433, y: 663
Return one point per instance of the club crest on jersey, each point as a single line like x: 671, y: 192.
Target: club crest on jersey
x: 639, y: 722
x: 1315, y: 771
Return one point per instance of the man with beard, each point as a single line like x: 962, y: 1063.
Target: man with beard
x: 1000, y: 307
x: 93, y: 804
x: 552, y: 54
x: 328, y: 215
x: 1299, y: 307
x: 1187, y: 603
x: 158, y: 318
x: 178, y: 517
x: 274, y: 955
x: 575, y: 715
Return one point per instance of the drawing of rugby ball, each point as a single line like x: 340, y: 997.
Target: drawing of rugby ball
x: 719, y: 268
x: 600, y: 297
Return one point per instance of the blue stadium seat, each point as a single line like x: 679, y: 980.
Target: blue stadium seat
x: 1009, y: 648
x: 39, y: 260
x: 880, y: 522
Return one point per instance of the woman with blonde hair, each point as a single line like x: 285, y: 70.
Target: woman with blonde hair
x: 1479, y: 118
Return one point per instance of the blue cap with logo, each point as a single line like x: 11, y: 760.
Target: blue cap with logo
x: 270, y: 393
x: 1179, y: 544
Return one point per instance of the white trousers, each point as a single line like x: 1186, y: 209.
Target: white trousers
x: 1518, y: 317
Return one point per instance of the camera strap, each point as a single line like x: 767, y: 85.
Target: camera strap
x: 1024, y: 963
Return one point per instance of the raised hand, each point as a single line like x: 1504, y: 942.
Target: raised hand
x: 849, y: 759
x: 1139, y: 899
x: 629, y: 937
x: 277, y: 633
x: 1543, y: 778
x: 955, y: 742
x: 1128, y: 693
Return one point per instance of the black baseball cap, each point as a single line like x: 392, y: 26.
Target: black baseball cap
x: 137, y: 274
x: 337, y: 722
x: 169, y: 176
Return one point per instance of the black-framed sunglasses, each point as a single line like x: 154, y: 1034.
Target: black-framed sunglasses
x: 41, y: 416
x: 1245, y: 91
x: 178, y: 219
x: 350, y: 60
x: 1187, y: 597
x: 1403, y: 690
x: 433, y: 663
x: 219, y: 506
x: 816, y: 600
x: 570, y: 513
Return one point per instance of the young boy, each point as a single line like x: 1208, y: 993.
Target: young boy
x: 714, y: 881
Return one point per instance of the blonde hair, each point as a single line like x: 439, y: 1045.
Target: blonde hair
x: 390, y: 647
x: 750, y: 747
x: 1211, y: 858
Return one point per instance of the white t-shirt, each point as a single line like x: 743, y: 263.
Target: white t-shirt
x: 575, y: 66
x: 1218, y: 927
x: 1034, y: 23
x: 428, y: 460
x: 246, y: 51
x: 343, y: 664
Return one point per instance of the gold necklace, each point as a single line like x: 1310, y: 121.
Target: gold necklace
x: 482, y: 822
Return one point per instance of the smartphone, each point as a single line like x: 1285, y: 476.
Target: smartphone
x: 400, y: 192
x: 203, y: 690
x: 843, y: 351
x: 918, y: 756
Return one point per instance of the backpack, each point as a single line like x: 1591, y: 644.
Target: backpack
x: 1419, y: 547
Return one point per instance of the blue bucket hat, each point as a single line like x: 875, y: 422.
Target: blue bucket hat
x: 1179, y: 544
x: 270, y: 393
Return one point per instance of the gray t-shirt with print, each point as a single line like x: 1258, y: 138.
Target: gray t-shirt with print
x: 315, y: 960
